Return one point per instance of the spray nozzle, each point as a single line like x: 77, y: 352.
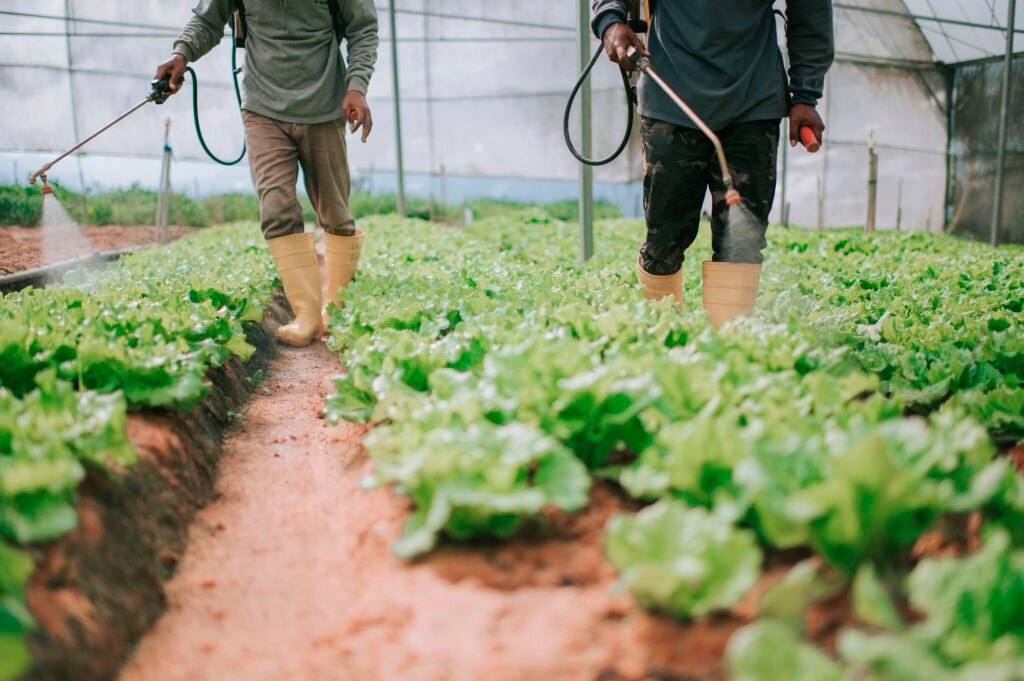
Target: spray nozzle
x: 39, y: 173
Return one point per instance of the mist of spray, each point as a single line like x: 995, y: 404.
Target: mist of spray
x: 62, y: 238
x: 744, y: 235
x: 744, y: 242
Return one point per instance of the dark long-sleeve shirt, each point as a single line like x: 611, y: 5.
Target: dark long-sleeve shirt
x: 722, y: 57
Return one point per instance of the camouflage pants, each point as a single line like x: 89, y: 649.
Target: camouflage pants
x: 680, y: 165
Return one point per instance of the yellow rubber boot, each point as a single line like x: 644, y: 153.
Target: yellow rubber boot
x: 342, y: 256
x: 729, y: 290
x: 657, y: 287
x: 299, y: 271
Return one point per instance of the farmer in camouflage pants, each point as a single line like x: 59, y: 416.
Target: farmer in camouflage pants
x: 722, y: 57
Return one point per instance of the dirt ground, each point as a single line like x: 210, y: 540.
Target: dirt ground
x: 98, y: 588
x: 22, y: 248
x: 288, y: 575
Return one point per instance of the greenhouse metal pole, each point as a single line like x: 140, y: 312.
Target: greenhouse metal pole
x: 947, y: 208
x: 869, y: 222
x: 783, y: 200
x: 899, y: 204
x: 163, y: 199
x: 398, y: 112
x: 74, y: 107
x: 823, y: 178
x: 1004, y: 122
x: 586, y: 208
x: 783, y: 217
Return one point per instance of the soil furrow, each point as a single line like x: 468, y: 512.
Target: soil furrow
x: 288, y: 575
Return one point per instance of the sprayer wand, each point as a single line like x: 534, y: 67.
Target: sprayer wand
x: 644, y: 64
x: 159, y: 94
x: 161, y: 90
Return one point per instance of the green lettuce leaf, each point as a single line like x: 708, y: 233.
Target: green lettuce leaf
x: 683, y: 560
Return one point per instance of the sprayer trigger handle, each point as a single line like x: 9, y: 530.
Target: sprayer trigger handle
x: 809, y: 139
x: 161, y: 91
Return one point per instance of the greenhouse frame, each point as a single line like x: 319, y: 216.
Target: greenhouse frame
x: 921, y: 82
x: 396, y: 344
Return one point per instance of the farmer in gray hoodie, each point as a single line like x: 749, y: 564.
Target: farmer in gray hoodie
x: 297, y: 96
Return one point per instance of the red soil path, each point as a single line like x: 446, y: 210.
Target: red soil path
x: 288, y: 575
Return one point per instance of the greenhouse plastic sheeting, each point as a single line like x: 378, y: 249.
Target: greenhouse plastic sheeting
x: 974, y: 141
x: 954, y: 43
x: 483, y: 86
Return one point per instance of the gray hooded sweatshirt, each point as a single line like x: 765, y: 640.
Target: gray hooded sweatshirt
x: 293, y: 66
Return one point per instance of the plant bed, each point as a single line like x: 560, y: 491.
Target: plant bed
x: 92, y: 369
x: 859, y: 417
x: 95, y: 590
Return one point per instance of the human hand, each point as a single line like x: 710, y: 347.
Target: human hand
x: 173, y: 71
x: 617, y: 40
x: 804, y: 116
x: 357, y: 112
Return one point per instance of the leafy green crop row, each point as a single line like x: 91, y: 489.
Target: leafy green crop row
x: 937, y: 319
x: 74, y: 358
x: 793, y: 429
x: 23, y: 205
x: 971, y: 627
x: 149, y: 326
x: 496, y: 323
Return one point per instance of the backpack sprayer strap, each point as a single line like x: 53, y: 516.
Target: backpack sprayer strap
x: 241, y: 30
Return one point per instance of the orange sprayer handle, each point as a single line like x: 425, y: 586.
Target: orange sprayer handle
x: 809, y: 140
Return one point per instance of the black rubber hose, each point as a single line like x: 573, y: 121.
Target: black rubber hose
x: 568, y: 114
x: 195, y: 104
